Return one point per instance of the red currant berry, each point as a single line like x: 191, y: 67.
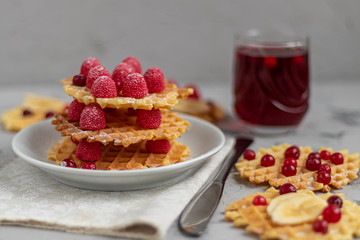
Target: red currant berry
x: 49, y: 114
x: 325, y: 155
x: 291, y: 161
x: 27, y: 112
x: 68, y: 162
x: 314, y: 155
x: 313, y: 164
x: 324, y: 178
x: 325, y: 168
x: 332, y: 213
x: 249, y: 154
x: 79, y: 80
x: 267, y: 160
x: 292, y: 151
x: 259, y: 200
x: 336, y: 200
x: 287, y: 188
x: 320, y: 226
x: 288, y: 170
x: 337, y: 158
x: 89, y: 165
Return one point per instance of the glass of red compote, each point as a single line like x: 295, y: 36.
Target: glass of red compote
x: 271, y: 81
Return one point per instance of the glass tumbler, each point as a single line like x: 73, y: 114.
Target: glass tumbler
x: 271, y: 81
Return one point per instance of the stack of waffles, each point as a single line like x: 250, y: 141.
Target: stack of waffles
x: 119, y: 121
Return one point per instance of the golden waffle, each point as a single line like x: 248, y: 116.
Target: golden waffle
x: 120, y: 158
x: 122, y: 129
x: 207, y: 110
x: 340, y: 174
x: 255, y: 219
x: 14, y: 120
x: 166, y: 99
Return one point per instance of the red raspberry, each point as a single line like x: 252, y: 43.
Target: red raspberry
x: 89, y: 165
x: 134, y: 86
x: 133, y: 61
x: 95, y: 73
x: 79, y: 80
x: 88, y: 151
x: 158, y: 146
x: 75, y: 109
x: 120, y: 73
x: 154, y: 78
x: 68, y: 162
x: 88, y: 64
x: 148, y: 119
x: 92, y: 118
x: 249, y: 154
x: 259, y: 200
x: 196, y: 94
x: 104, y: 87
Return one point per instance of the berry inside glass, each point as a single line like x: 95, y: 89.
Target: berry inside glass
x: 271, y: 82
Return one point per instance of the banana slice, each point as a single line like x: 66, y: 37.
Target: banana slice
x: 295, y: 208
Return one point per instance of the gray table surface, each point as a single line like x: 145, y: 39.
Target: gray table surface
x: 333, y: 120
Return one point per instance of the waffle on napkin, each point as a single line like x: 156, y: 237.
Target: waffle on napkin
x: 121, y: 158
x: 165, y: 99
x: 15, y: 119
x: 259, y: 220
x: 304, y: 179
x: 121, y: 128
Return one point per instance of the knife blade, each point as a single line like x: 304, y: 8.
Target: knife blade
x: 196, y: 215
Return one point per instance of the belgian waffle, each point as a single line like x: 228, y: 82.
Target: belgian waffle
x: 121, y: 128
x: 304, y: 179
x: 255, y: 219
x: 14, y: 120
x: 166, y: 99
x: 119, y: 158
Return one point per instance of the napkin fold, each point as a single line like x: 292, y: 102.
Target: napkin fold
x: 31, y: 197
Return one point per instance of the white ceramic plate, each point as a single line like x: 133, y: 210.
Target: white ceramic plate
x: 32, y: 143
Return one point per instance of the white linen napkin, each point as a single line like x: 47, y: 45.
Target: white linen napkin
x: 30, y: 197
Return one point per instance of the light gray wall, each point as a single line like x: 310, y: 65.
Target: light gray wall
x: 191, y: 40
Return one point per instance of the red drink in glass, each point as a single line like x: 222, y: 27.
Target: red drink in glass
x: 271, y: 84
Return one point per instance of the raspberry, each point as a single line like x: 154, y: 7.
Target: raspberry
x: 88, y: 64
x: 148, y: 119
x: 89, y: 165
x: 320, y: 226
x: 287, y: 188
x: 104, y: 87
x: 249, y: 154
x: 75, y: 109
x: 259, y: 200
x: 88, y: 151
x: 95, y: 73
x: 332, y: 213
x: 92, y: 118
x: 336, y: 200
x: 68, y: 162
x: 154, y: 78
x: 196, y: 94
x: 120, y: 73
x: 292, y: 151
x: 158, y: 146
x: 267, y: 160
x: 133, y: 61
x: 79, y: 80
x: 134, y: 86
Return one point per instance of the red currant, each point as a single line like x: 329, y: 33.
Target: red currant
x: 320, y: 226
x: 314, y: 155
x: 249, y: 154
x: 89, y: 165
x: 291, y: 161
x: 68, y: 162
x: 27, y: 112
x: 325, y: 168
x: 287, y: 188
x: 49, y: 114
x: 292, y: 151
x: 332, y: 213
x: 325, y: 154
x: 336, y: 200
x: 259, y: 200
x: 337, y: 158
x: 267, y: 160
x: 288, y: 170
x: 324, y: 178
x: 79, y: 80
x: 313, y: 164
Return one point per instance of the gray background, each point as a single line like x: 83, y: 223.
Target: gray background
x: 191, y: 41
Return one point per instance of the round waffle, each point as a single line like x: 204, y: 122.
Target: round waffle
x: 166, y: 99
x: 304, y: 179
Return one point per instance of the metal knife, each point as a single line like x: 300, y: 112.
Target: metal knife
x: 196, y: 215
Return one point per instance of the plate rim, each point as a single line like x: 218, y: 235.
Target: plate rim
x: 99, y: 173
